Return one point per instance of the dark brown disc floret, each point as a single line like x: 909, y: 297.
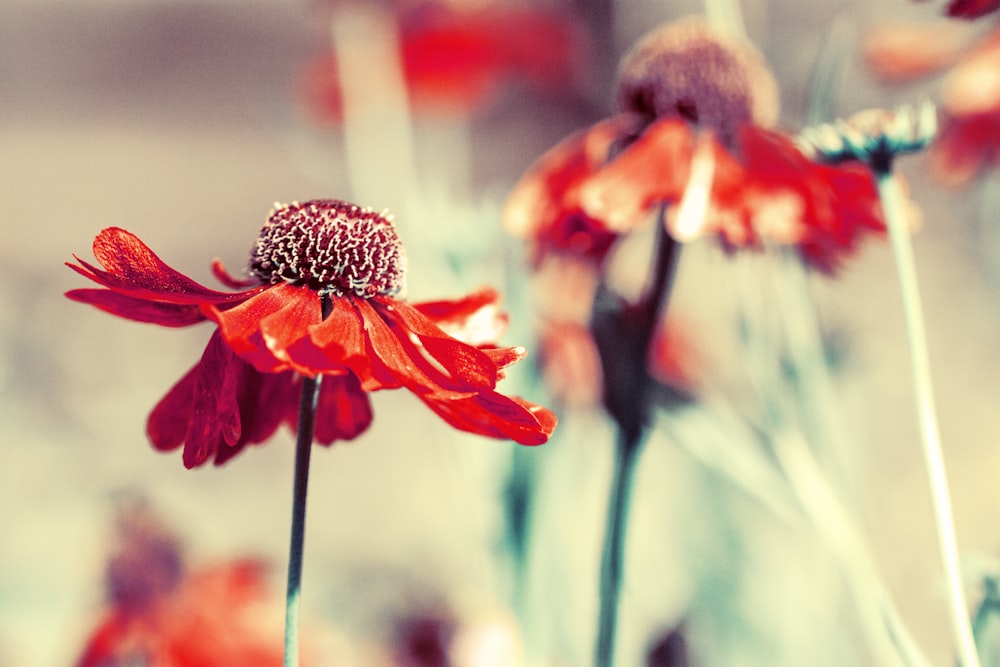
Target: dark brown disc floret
x: 331, y: 246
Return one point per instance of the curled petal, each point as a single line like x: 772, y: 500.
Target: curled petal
x: 497, y: 416
x: 132, y: 268
x: 139, y: 310
x: 401, y: 360
x: 464, y: 363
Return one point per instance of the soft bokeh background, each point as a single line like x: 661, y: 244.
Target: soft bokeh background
x: 182, y: 122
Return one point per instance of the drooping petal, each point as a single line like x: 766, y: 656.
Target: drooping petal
x: 465, y: 365
x: 138, y: 309
x: 132, y: 268
x: 497, y: 416
x: 266, y: 400
x: 652, y: 170
x: 400, y: 361
x: 344, y: 411
x: 262, y: 328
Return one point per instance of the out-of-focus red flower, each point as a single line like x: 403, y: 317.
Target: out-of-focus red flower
x: 897, y: 53
x: 971, y: 9
x: 969, y: 139
x: 273, y: 330
x: 160, y: 615
x: 459, y: 59
x: 690, y: 136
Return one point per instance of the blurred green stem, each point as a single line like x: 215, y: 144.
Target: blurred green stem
x: 893, y: 206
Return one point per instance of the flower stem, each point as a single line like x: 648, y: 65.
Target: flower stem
x: 308, y: 400
x: 303, y: 449
x: 612, y: 559
x: 622, y: 333
x: 892, y: 203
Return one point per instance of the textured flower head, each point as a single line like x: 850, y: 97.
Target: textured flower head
x: 873, y: 136
x: 321, y: 300
x: 332, y: 247
x: 685, y: 70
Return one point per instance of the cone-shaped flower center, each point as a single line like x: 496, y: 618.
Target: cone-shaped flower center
x: 332, y: 246
x: 683, y: 69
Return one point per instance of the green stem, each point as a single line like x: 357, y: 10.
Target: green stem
x: 308, y: 400
x: 892, y: 204
x: 612, y: 560
x: 303, y: 449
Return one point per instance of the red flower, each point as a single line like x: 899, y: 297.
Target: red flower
x: 971, y: 9
x: 460, y: 59
x: 969, y: 140
x: 729, y: 177
x: 273, y: 331
x: 160, y: 615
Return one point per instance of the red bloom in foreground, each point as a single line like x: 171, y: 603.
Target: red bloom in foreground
x: 273, y: 331
x: 689, y: 136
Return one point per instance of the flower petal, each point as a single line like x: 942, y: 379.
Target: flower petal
x: 652, y: 170
x: 465, y: 365
x: 400, y: 360
x: 139, y: 310
x: 475, y: 319
x: 262, y: 328
x: 344, y: 411
x: 203, y: 405
x: 132, y: 268
x: 497, y: 416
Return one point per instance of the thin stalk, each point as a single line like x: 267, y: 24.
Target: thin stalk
x: 622, y: 333
x: 612, y: 559
x: 308, y: 400
x: 892, y: 204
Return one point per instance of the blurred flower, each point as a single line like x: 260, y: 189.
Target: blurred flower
x: 324, y: 253
x: 971, y: 9
x: 161, y: 615
x: 692, y: 133
x: 969, y: 138
x: 458, y: 59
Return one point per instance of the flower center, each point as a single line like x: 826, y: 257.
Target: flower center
x: 683, y: 70
x: 332, y: 246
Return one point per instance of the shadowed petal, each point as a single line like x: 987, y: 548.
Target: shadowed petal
x: 138, y: 309
x: 344, y: 411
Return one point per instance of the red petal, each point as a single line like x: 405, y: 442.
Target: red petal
x: 497, y: 416
x: 504, y: 356
x: 971, y: 9
x: 475, y: 319
x: 201, y: 410
x: 549, y: 189
x: 344, y: 411
x: 465, y: 364
x: 223, y: 276
x: 652, y: 170
x: 263, y: 327
x: 400, y: 359
x: 132, y: 268
x: 139, y: 310
x: 337, y: 343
